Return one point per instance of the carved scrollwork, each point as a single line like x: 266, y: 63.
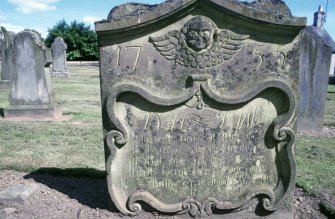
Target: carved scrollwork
x: 150, y: 199
x: 130, y: 204
x: 194, y: 207
x: 286, y: 136
x: 282, y: 133
x: 115, y: 137
x: 199, y: 44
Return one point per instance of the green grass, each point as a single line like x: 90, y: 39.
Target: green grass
x: 73, y: 143
x: 315, y: 158
x: 316, y: 155
x: 329, y: 119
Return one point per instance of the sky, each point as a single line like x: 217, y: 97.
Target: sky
x: 41, y: 15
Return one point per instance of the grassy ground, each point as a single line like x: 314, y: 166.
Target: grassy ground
x: 316, y: 155
x: 61, y: 144
x: 315, y: 164
x: 330, y: 107
x: 76, y: 144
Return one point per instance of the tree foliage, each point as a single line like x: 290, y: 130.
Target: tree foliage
x: 81, y: 40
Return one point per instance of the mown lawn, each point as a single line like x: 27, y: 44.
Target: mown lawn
x: 316, y: 155
x: 76, y: 142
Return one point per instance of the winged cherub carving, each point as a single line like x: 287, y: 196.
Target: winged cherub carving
x: 199, y: 44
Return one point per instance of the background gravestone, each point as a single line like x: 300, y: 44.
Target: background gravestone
x: 200, y: 102
x: 7, y: 40
x: 59, y: 65
x: 2, y: 36
x: 317, y: 50
x: 30, y: 83
x: 332, y: 69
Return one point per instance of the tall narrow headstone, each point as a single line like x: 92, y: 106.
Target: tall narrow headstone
x: 200, y: 102
x: 59, y: 65
x: 317, y: 50
x: 31, y: 93
x: 2, y: 37
x: 332, y: 69
x: 8, y: 39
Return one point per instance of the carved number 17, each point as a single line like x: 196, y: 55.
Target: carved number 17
x: 130, y: 49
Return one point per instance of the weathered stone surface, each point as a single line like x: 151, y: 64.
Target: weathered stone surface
x: 8, y: 211
x: 317, y: 50
x: 59, y: 65
x: 6, y: 41
x: 200, y: 101
x: 18, y: 193
x: 2, y: 37
x: 272, y: 6
x: 30, y: 83
x: 127, y: 10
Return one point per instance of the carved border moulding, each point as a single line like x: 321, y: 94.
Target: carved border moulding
x: 118, y: 138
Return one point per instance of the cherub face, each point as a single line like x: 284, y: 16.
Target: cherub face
x: 199, y: 33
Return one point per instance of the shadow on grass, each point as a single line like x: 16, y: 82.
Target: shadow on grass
x: 330, y: 124
x: 327, y: 209
x: 2, y: 114
x: 86, y: 185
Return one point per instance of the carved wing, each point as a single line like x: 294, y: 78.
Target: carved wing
x: 227, y: 44
x: 174, y: 48
x: 169, y: 45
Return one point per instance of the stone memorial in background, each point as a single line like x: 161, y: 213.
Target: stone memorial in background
x: 6, y: 41
x: 31, y: 93
x: 200, y: 102
x: 2, y: 37
x: 59, y: 65
x: 332, y: 69
x: 317, y: 50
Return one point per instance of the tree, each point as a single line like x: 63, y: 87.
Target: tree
x: 81, y: 40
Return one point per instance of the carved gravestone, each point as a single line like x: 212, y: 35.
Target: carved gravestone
x: 6, y: 41
x: 31, y: 94
x: 59, y: 65
x: 317, y: 50
x: 200, y: 102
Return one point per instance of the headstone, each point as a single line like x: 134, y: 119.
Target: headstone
x: 2, y: 37
x: 59, y: 65
x: 8, y: 39
x: 317, y: 50
x: 200, y: 101
x: 332, y: 69
x: 31, y: 93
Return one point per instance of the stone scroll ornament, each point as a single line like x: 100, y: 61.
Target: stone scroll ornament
x: 120, y: 137
x: 199, y: 44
